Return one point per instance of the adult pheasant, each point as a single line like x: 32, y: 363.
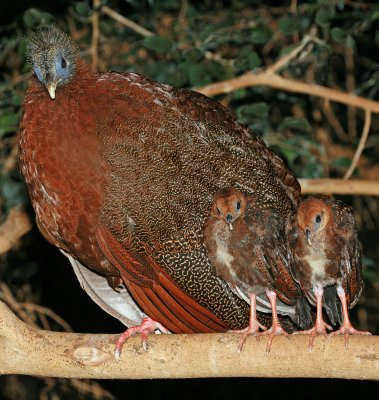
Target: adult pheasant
x: 122, y: 171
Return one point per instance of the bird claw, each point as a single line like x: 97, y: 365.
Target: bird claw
x: 251, y: 330
x: 347, y: 329
x: 275, y: 330
x: 148, y: 325
x: 318, y: 329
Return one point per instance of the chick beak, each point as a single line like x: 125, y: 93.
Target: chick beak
x: 308, y: 236
x: 51, y: 89
x: 229, y: 219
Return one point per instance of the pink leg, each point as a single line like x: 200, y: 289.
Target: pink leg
x: 346, y: 327
x: 254, y: 325
x: 276, y: 329
x: 320, y: 326
x: 147, y: 326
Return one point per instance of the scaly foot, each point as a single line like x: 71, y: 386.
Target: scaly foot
x: 147, y: 326
x: 251, y: 330
x: 346, y: 330
x: 320, y: 328
x: 275, y: 330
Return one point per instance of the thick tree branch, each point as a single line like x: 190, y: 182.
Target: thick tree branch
x: 354, y: 187
x: 25, y: 350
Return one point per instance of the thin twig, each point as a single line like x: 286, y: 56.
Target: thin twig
x: 125, y: 21
x: 350, y: 87
x: 95, y: 35
x: 283, y: 61
x: 49, y: 313
x: 333, y: 120
x: 361, y: 145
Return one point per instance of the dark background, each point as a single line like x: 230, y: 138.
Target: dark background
x: 196, y: 43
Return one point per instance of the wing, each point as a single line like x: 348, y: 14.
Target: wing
x: 270, y: 234
x: 351, y: 259
x: 153, y: 288
x: 277, y: 263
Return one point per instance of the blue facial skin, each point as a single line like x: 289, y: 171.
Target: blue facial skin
x: 38, y: 73
x: 60, y: 73
x: 62, y: 68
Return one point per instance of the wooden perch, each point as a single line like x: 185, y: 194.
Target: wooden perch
x: 362, y: 187
x: 26, y: 350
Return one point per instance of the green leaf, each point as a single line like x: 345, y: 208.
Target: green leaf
x: 158, y: 43
x: 248, y: 59
x: 324, y: 16
x: 12, y: 191
x: 289, y: 154
x: 341, y: 162
x: 193, y: 55
x: 247, y: 112
x: 198, y: 75
x: 339, y: 35
x: 259, y: 110
x: 300, y: 124
x: 261, y: 35
x: 312, y: 170
x: 83, y: 9
x: 34, y: 18
x: 290, y: 24
x: 8, y: 123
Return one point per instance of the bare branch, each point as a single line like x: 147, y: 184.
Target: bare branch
x: 13, y: 228
x: 361, y: 145
x: 26, y: 350
x: 95, y: 35
x: 358, y: 187
x: 275, y: 81
x: 126, y: 21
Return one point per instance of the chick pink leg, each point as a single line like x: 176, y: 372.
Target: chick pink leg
x: 320, y: 326
x: 346, y: 327
x: 254, y: 325
x: 276, y: 329
x: 147, y: 326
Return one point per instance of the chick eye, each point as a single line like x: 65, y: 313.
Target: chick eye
x: 238, y: 205
x: 63, y: 63
x: 318, y: 219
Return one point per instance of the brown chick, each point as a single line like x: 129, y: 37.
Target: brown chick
x: 247, y: 247
x: 327, y: 262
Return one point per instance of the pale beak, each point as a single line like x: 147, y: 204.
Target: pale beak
x: 308, y: 236
x: 51, y: 89
x: 229, y: 219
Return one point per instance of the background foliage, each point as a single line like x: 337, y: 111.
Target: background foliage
x: 191, y: 44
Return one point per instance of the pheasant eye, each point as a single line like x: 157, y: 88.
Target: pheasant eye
x: 238, y: 205
x: 63, y: 63
x: 318, y: 219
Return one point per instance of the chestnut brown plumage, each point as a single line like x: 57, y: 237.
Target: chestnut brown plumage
x: 327, y: 261
x: 121, y: 172
x: 249, y: 250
